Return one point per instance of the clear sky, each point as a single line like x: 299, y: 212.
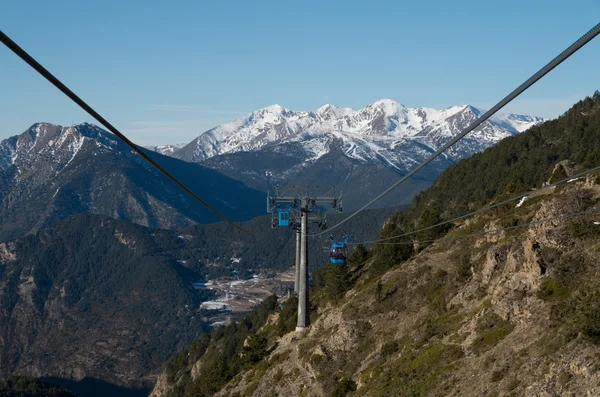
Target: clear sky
x: 165, y: 71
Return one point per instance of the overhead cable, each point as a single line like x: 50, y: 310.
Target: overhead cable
x: 573, y: 48
x: 65, y: 90
x: 497, y: 230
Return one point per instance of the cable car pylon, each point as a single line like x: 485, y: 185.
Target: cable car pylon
x: 296, y: 206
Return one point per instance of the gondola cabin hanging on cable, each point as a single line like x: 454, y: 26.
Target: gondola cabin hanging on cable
x: 339, y: 251
x: 284, y: 217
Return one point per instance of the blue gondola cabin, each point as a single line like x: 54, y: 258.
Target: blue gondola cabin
x: 339, y: 251
x: 284, y: 217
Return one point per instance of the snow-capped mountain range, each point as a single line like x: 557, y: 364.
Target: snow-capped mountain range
x: 385, y: 132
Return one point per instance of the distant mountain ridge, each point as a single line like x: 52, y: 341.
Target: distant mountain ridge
x: 385, y: 130
x: 360, y: 151
x: 50, y: 172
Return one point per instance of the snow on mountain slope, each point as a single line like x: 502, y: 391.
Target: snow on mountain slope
x: 167, y: 150
x: 383, y: 132
x: 53, y: 145
x: 50, y: 172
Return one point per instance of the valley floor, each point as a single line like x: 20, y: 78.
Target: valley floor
x: 240, y: 297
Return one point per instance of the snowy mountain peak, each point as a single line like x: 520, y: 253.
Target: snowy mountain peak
x: 388, y: 105
x: 368, y: 133
x: 325, y: 108
x: 274, y: 109
x: 58, y: 144
x: 329, y: 111
x: 469, y: 108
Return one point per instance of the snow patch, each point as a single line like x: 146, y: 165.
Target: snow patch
x: 215, y: 305
x: 199, y: 285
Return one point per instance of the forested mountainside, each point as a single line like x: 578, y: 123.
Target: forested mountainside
x: 218, y: 248
x: 505, y: 313
x: 50, y: 172
x: 21, y: 386
x: 358, y: 181
x: 95, y: 297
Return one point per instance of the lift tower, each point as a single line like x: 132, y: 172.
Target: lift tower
x: 296, y: 206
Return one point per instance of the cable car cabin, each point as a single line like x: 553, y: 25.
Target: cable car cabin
x: 284, y: 217
x: 339, y: 251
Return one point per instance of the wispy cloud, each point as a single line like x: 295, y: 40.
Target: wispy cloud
x: 195, y: 109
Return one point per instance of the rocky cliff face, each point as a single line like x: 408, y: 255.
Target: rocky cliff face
x: 506, y: 313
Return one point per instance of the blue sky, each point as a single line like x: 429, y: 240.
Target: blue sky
x: 163, y: 72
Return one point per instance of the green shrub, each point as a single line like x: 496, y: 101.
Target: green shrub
x: 278, y: 376
x: 23, y: 386
x: 343, y: 387
x: 583, y: 229
x: 463, y: 268
x: 497, y: 376
x: 491, y: 329
x: 295, y: 373
x: 416, y: 372
x: 580, y: 313
x: 564, y: 378
x: 316, y: 359
x: 441, y: 324
x: 288, y: 316
x: 389, y: 348
x: 551, y: 289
